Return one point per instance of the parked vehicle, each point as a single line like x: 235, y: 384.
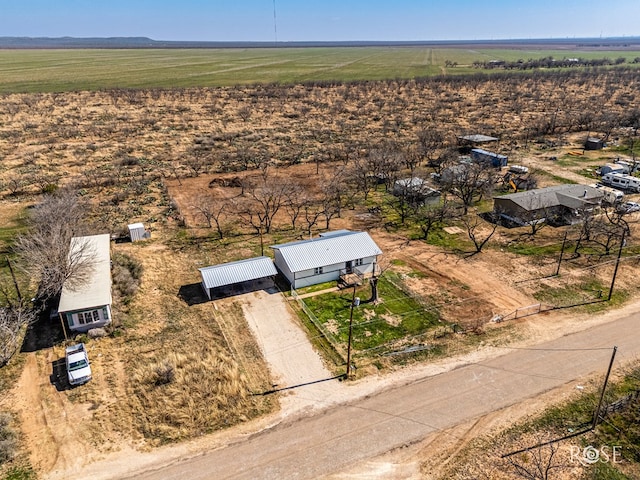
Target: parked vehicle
x: 629, y: 207
x: 78, y: 367
x: 611, y: 195
x: 622, y: 182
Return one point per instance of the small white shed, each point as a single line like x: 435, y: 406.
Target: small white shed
x: 137, y: 232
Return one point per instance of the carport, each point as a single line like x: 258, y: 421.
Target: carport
x: 234, y: 277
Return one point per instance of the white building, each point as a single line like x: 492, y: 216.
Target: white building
x: 89, y: 305
x: 327, y: 257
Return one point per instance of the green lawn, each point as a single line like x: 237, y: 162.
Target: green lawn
x: 86, y: 69
x: 396, y: 317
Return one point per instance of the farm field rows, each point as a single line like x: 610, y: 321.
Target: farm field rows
x: 69, y: 70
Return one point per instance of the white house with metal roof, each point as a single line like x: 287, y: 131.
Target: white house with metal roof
x: 89, y: 305
x: 233, y: 273
x: 327, y: 257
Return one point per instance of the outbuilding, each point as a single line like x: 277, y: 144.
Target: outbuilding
x: 331, y: 256
x: 137, y: 232
x: 594, y: 143
x: 496, y: 160
x: 88, y: 305
x: 217, y: 278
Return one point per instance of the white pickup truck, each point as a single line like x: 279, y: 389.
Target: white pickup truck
x: 78, y: 368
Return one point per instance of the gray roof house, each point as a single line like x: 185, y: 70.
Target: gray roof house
x: 89, y: 305
x: 218, y: 277
x: 560, y: 204
x: 331, y: 256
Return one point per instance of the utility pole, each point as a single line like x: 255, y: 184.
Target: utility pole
x: 564, y: 241
x: 15, y: 282
x: 596, y: 416
x: 615, y: 271
x: 354, y: 303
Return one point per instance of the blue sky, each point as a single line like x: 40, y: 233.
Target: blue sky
x: 253, y: 20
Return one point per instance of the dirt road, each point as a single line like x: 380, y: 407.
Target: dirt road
x: 351, y: 433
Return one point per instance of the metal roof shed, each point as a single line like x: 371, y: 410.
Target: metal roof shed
x: 233, y: 273
x: 137, y: 232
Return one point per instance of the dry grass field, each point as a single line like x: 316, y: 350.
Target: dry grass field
x: 176, y: 367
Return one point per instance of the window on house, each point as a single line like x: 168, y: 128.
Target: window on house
x: 359, y: 262
x: 318, y: 270
x: 88, y: 317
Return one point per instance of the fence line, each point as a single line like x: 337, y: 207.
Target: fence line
x: 319, y: 325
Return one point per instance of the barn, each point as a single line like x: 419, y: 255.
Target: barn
x: 220, y: 280
x: 331, y: 256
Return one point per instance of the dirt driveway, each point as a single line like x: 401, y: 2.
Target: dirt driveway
x: 296, y: 368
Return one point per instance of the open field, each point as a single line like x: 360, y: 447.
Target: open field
x: 165, y: 156
x: 68, y: 70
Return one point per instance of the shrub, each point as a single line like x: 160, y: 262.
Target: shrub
x: 8, y: 443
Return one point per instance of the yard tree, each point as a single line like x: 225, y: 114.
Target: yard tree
x: 469, y: 182
x: 212, y: 210
x: 476, y: 232
x: 333, y: 194
x: 385, y: 161
x: 360, y: 175
x: 12, y: 319
x: 296, y: 198
x: 263, y: 200
x: 44, y: 249
x: 428, y: 217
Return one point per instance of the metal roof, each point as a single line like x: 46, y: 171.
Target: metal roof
x: 237, y: 272
x: 488, y: 153
x: 335, y: 248
x: 96, y: 292
x: 571, y: 195
x: 478, y: 138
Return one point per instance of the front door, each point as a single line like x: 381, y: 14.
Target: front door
x: 348, y: 266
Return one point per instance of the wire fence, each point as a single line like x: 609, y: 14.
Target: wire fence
x: 333, y: 341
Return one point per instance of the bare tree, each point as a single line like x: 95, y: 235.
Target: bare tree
x: 385, y: 162
x: 296, y: 200
x: 45, y: 251
x: 265, y: 199
x: 12, y: 319
x: 468, y: 182
x: 537, y: 463
x: 473, y: 225
x: 312, y: 213
x: 430, y: 141
x: 429, y: 217
x: 212, y: 211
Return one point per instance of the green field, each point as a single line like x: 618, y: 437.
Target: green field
x: 67, y: 70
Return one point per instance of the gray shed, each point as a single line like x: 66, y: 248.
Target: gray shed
x: 234, y: 273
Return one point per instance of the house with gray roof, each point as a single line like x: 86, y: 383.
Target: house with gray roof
x: 329, y: 257
x: 560, y: 204
x: 88, y: 305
